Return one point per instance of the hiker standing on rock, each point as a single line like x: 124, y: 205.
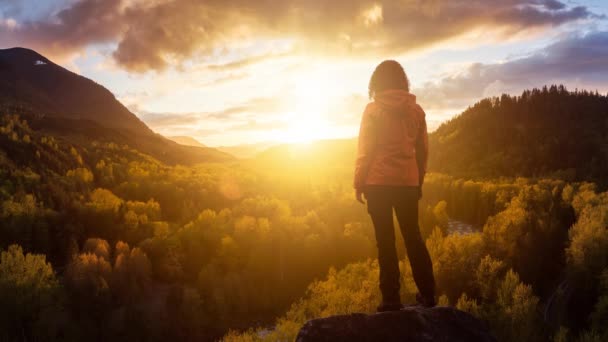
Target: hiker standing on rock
x: 389, y: 172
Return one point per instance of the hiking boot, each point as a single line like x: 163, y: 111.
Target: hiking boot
x: 389, y: 306
x: 425, y: 301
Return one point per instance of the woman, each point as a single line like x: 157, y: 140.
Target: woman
x: 390, y: 169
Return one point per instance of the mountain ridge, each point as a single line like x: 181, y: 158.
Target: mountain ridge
x: 25, y: 74
x: 546, y: 131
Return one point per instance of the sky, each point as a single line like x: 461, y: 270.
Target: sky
x: 242, y: 72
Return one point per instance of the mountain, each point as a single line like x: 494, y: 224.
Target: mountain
x: 544, y: 132
x: 247, y: 150
x: 186, y: 140
x: 60, y: 102
x: 31, y: 80
x: 239, y: 151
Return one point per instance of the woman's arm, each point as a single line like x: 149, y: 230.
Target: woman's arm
x: 367, y: 145
x: 422, y: 148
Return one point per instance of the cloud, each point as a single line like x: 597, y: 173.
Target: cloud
x: 254, y: 105
x: 575, y: 60
x: 85, y: 22
x: 553, y: 5
x: 177, y: 30
x: 244, y: 62
x: 258, y: 125
x: 8, y: 24
x: 248, y: 111
x: 153, y: 35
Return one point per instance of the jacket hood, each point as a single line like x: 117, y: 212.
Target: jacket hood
x: 395, y: 99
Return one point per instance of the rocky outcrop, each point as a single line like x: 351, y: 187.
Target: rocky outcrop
x: 409, y: 324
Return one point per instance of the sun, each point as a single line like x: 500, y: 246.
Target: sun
x: 307, y: 117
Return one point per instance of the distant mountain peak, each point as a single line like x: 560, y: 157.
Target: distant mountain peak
x: 23, y: 55
x: 22, y: 51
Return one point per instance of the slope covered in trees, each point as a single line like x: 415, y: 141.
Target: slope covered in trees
x: 31, y: 80
x: 543, y: 132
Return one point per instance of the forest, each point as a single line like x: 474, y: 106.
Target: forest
x: 100, y: 241
x: 543, y: 132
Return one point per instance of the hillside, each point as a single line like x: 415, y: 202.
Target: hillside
x: 59, y: 102
x: 543, y: 132
x: 31, y: 80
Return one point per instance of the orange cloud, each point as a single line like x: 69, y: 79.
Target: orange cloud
x: 152, y: 35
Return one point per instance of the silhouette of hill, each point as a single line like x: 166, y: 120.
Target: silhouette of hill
x: 31, y: 80
x: 60, y: 102
x: 247, y: 150
x: 544, y: 132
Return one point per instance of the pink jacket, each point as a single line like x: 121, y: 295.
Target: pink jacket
x: 393, y: 141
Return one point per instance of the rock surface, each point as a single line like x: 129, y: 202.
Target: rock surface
x: 409, y: 324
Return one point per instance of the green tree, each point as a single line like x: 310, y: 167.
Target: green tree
x: 29, y: 296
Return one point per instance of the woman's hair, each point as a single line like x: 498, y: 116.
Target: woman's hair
x: 388, y: 75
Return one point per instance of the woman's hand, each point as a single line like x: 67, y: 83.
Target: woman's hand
x: 360, y: 196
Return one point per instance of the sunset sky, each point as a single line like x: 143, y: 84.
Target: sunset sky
x: 236, y: 72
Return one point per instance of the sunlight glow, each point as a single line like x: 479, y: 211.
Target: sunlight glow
x: 373, y: 15
x: 306, y: 119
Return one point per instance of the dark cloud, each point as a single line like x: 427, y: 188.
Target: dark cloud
x: 573, y: 61
x: 553, y: 4
x: 153, y: 35
x: 85, y: 22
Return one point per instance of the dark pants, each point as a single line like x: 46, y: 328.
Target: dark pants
x: 381, y: 200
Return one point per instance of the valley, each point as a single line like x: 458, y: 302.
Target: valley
x: 116, y: 232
